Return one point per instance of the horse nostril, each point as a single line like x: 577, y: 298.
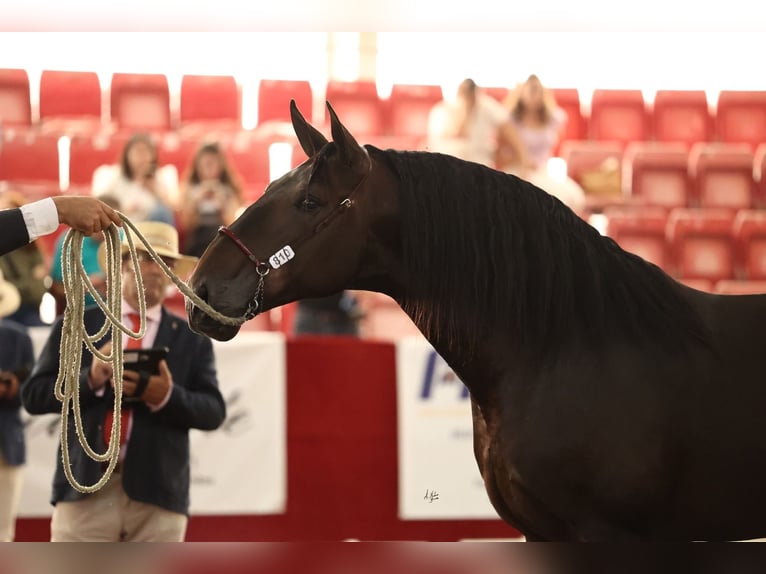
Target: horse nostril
x: 202, y: 292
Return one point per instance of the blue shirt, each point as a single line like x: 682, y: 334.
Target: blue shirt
x: 89, y: 262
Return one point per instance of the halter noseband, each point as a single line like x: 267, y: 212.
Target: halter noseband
x: 262, y: 268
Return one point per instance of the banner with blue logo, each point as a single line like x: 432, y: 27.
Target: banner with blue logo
x: 438, y: 475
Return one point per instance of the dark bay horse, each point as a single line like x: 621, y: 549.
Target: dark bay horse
x: 610, y: 402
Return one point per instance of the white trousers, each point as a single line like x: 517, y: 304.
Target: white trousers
x: 108, y: 515
x: 11, y: 480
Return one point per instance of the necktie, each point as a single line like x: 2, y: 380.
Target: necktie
x: 126, y: 413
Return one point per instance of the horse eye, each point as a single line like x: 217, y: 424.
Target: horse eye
x: 309, y: 203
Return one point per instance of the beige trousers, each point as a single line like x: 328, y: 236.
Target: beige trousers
x: 108, y: 515
x: 11, y: 480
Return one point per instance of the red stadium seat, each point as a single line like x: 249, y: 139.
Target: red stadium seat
x: 210, y: 100
x: 140, y: 102
x: 749, y: 233
x: 30, y: 159
x: 249, y: 156
x: 722, y: 175
x: 740, y: 287
x: 682, y: 116
x: 584, y: 156
x: 497, y: 92
x: 88, y: 152
x: 619, y: 115
x: 640, y: 230
x: 568, y: 99
x: 70, y: 101
x: 657, y: 173
x: 176, y: 149
x: 741, y: 117
x: 15, y: 103
x: 408, y: 108
x: 701, y: 243
x: 274, y: 100
x: 759, y: 175
x: 359, y: 106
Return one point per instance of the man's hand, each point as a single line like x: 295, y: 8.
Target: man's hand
x: 156, y: 389
x: 86, y: 214
x: 100, y: 372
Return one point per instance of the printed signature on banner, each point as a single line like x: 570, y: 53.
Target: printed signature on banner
x: 431, y: 495
x: 237, y: 415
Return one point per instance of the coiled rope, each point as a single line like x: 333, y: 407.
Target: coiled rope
x: 74, y: 335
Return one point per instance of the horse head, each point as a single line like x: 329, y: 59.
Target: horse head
x: 305, y: 237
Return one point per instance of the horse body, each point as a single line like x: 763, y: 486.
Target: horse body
x: 611, y: 445
x: 609, y: 401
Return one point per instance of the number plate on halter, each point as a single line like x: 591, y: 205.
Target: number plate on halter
x: 281, y: 257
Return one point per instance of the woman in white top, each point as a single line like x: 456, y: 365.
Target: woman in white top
x: 539, y: 123
x: 143, y: 190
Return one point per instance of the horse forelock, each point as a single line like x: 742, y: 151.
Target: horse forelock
x: 488, y: 254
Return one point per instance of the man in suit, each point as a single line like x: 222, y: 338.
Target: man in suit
x: 16, y: 360
x: 33, y: 220
x: 147, y: 497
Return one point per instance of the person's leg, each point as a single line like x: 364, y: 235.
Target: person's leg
x: 95, y: 518
x: 10, y: 493
x: 150, y: 523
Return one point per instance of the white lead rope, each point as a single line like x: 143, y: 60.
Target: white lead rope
x: 74, y: 335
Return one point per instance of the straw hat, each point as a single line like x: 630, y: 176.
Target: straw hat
x: 164, y: 240
x: 9, y: 297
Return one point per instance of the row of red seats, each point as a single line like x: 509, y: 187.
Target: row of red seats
x: 73, y: 101
x: 142, y: 101
x: 690, y: 244
x: 671, y: 175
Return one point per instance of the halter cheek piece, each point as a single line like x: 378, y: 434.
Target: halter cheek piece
x: 262, y: 268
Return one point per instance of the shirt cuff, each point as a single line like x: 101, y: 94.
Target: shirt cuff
x: 41, y: 217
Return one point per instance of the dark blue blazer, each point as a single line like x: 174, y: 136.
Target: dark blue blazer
x: 14, y: 232
x: 17, y: 355
x: 156, y: 465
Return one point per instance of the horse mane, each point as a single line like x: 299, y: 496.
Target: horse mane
x: 487, y: 253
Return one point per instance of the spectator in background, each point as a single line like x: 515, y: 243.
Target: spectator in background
x: 471, y: 127
x: 145, y: 191
x: 90, y: 263
x: 337, y: 314
x: 26, y: 269
x: 539, y: 123
x: 16, y: 360
x: 211, y: 196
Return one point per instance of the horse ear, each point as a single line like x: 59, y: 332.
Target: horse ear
x: 348, y: 149
x: 310, y: 138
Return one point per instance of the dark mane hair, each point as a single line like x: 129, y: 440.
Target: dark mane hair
x: 487, y: 252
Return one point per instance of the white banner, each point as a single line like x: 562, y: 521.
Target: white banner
x: 438, y: 475
x: 240, y: 468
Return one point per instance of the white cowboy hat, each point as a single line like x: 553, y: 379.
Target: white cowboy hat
x: 10, y: 299
x: 163, y: 238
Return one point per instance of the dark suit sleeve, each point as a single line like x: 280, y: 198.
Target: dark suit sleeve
x: 197, y: 402
x: 14, y: 231
x: 37, y: 392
